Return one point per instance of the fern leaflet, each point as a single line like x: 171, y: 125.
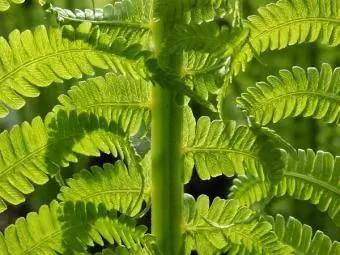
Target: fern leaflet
x: 31, y: 152
x: 129, y: 20
x: 137, y: 13
x: 289, y: 22
x: 116, y: 186
x: 300, y: 236
x: 43, y: 57
x: 122, y: 100
x: 204, y: 72
x: 212, y: 229
x: 67, y: 228
x: 295, y: 93
x: 206, y: 37
x: 312, y: 177
x: 217, y: 148
x: 198, y: 11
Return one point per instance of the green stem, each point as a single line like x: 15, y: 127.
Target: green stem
x: 167, y: 115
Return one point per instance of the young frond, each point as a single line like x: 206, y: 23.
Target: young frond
x: 121, y: 99
x: 68, y: 228
x: 40, y: 58
x: 210, y: 229
x: 300, y: 237
x: 216, y: 148
x: 31, y: 152
x: 289, y: 22
x: 312, y: 177
x: 295, y: 93
x: 116, y: 186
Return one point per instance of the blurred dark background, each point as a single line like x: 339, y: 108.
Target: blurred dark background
x: 301, y: 132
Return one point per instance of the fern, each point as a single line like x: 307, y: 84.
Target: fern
x: 31, y: 152
x: 129, y: 20
x: 295, y: 93
x: 149, y: 248
x: 116, y: 186
x: 90, y: 119
x: 137, y: 13
x: 53, y: 230
x: 251, y: 191
x: 312, y: 177
x: 43, y: 57
x: 210, y: 229
x: 119, y: 99
x: 154, y: 57
x: 217, y: 148
x: 203, y: 72
x: 198, y: 11
x: 300, y: 236
x: 206, y: 37
x: 289, y: 22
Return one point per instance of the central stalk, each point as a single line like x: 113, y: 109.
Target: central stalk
x: 167, y: 118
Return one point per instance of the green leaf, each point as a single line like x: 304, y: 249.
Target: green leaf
x: 67, y: 228
x: 31, y: 152
x: 38, y: 59
x: 129, y: 20
x: 211, y: 229
x: 296, y: 93
x: 121, y: 99
x: 150, y: 248
x: 216, y: 148
x: 205, y: 37
x: 136, y: 13
x: 289, y: 22
x: 250, y: 191
x: 163, y: 78
x: 116, y: 186
x: 311, y: 176
x: 95, y: 117
x: 300, y: 236
x: 198, y: 11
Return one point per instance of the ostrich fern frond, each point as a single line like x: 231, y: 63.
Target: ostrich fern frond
x: 289, y: 22
x: 53, y: 230
x: 300, y: 236
x: 311, y: 176
x: 29, y: 60
x: 210, y: 229
x: 31, y: 152
x: 120, y: 99
x: 156, y: 60
x: 216, y: 148
x: 115, y: 186
x: 295, y: 93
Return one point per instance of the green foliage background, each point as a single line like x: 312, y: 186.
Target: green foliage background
x: 300, y: 132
